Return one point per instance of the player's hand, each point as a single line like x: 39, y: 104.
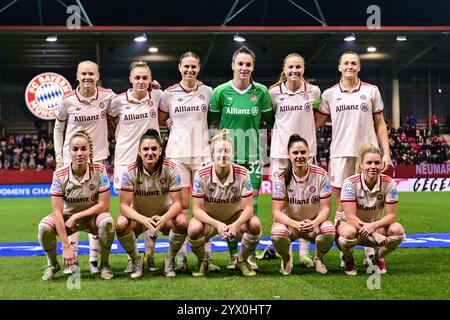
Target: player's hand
x: 71, y: 223
x: 155, y: 85
x: 386, y: 162
x: 169, y: 123
x: 160, y: 223
x: 151, y: 223
x: 59, y: 165
x: 232, y: 230
x: 367, y: 229
x: 308, y: 226
x: 379, y: 238
x: 222, y: 228
x: 69, y: 257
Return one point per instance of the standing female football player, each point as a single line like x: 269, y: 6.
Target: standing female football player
x: 84, y: 107
x: 364, y: 197
x: 150, y: 198
x: 301, y: 206
x: 292, y: 100
x: 239, y: 105
x: 133, y: 113
x: 80, y: 201
x: 186, y: 103
x: 223, y: 205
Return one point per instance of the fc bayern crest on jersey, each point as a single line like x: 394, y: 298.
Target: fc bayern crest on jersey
x: 91, y: 187
x: 150, y: 103
x: 254, y: 98
x: 312, y: 189
x: 234, y: 189
x: 201, y: 97
x: 163, y: 180
x: 308, y: 107
x: 363, y: 97
x: 364, y: 107
x: 44, y: 94
x: 380, y: 196
x: 306, y: 96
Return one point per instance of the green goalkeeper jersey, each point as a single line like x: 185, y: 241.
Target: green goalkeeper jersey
x: 240, y: 111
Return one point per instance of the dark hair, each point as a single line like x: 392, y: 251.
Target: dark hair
x: 349, y: 52
x: 246, y: 50
x: 189, y: 54
x: 153, y: 135
x: 288, y: 172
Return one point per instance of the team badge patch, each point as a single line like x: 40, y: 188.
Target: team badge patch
x: 363, y: 97
x: 308, y: 107
x: 254, y: 98
x: 234, y: 189
x: 364, y: 107
x: 105, y: 180
x: 326, y: 187
x: 394, y: 193
x: 92, y: 187
x: 150, y: 103
x: 103, y: 105
x: 349, y: 191
x: 379, y: 196
x: 312, y: 189
x: 44, y: 94
x: 201, y: 97
x: 178, y: 180
x: 162, y: 180
x: 197, y: 184
x: 306, y: 96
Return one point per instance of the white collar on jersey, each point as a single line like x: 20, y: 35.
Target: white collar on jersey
x: 302, y: 180
x: 230, y: 179
x: 376, y: 188
x: 86, y: 99
x: 130, y: 97
x: 239, y: 90
x: 302, y: 88
x: 86, y: 177
x: 354, y: 89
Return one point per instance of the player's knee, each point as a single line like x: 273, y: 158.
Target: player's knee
x: 181, y: 223
x: 347, y: 231
x: 396, y: 229
x: 195, y: 229
x: 122, y: 225
x: 104, y: 220
x: 254, y: 226
x: 327, y: 228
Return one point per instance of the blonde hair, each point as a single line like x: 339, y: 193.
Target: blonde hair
x: 366, y: 148
x: 90, y: 62
x: 349, y: 52
x: 221, y: 136
x: 283, y: 77
x: 139, y: 64
x: 189, y: 54
x: 82, y: 133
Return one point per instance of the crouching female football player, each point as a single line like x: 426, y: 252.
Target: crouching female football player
x: 364, y: 197
x: 80, y: 202
x: 301, y: 206
x: 223, y: 204
x: 150, y: 198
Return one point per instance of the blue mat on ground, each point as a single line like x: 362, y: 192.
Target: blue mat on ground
x: 430, y: 240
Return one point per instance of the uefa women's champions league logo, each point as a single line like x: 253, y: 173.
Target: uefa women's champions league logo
x: 44, y: 94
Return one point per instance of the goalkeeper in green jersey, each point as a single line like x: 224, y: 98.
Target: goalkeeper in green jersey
x: 239, y: 105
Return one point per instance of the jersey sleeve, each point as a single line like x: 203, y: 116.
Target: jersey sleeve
x: 247, y: 188
x: 164, y: 101
x: 267, y: 112
x: 104, y: 181
x: 198, y: 187
x: 175, y: 180
x: 215, y: 105
x: 127, y: 183
x: 348, y: 192
x: 278, y: 187
x: 324, y: 106
x: 114, y: 108
x: 391, y: 193
x: 56, y: 188
x: 377, y: 103
x: 325, y: 188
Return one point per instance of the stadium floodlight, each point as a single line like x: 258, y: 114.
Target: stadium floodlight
x: 401, y: 38
x: 350, y: 37
x: 52, y: 38
x: 141, y: 38
x: 371, y: 49
x: 153, y: 49
x: 238, y: 38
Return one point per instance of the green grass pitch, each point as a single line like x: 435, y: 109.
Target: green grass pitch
x: 421, y: 273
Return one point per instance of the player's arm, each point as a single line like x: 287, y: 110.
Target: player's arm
x: 320, y: 119
x: 174, y: 209
x: 215, y: 109
x: 198, y: 210
x: 349, y: 208
x: 267, y: 113
x: 280, y: 217
x: 382, y: 134
x: 58, y: 139
x: 126, y: 199
x: 101, y: 206
x: 324, y: 212
x: 245, y: 215
x: 163, y: 108
x: 162, y: 119
x: 57, y: 207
